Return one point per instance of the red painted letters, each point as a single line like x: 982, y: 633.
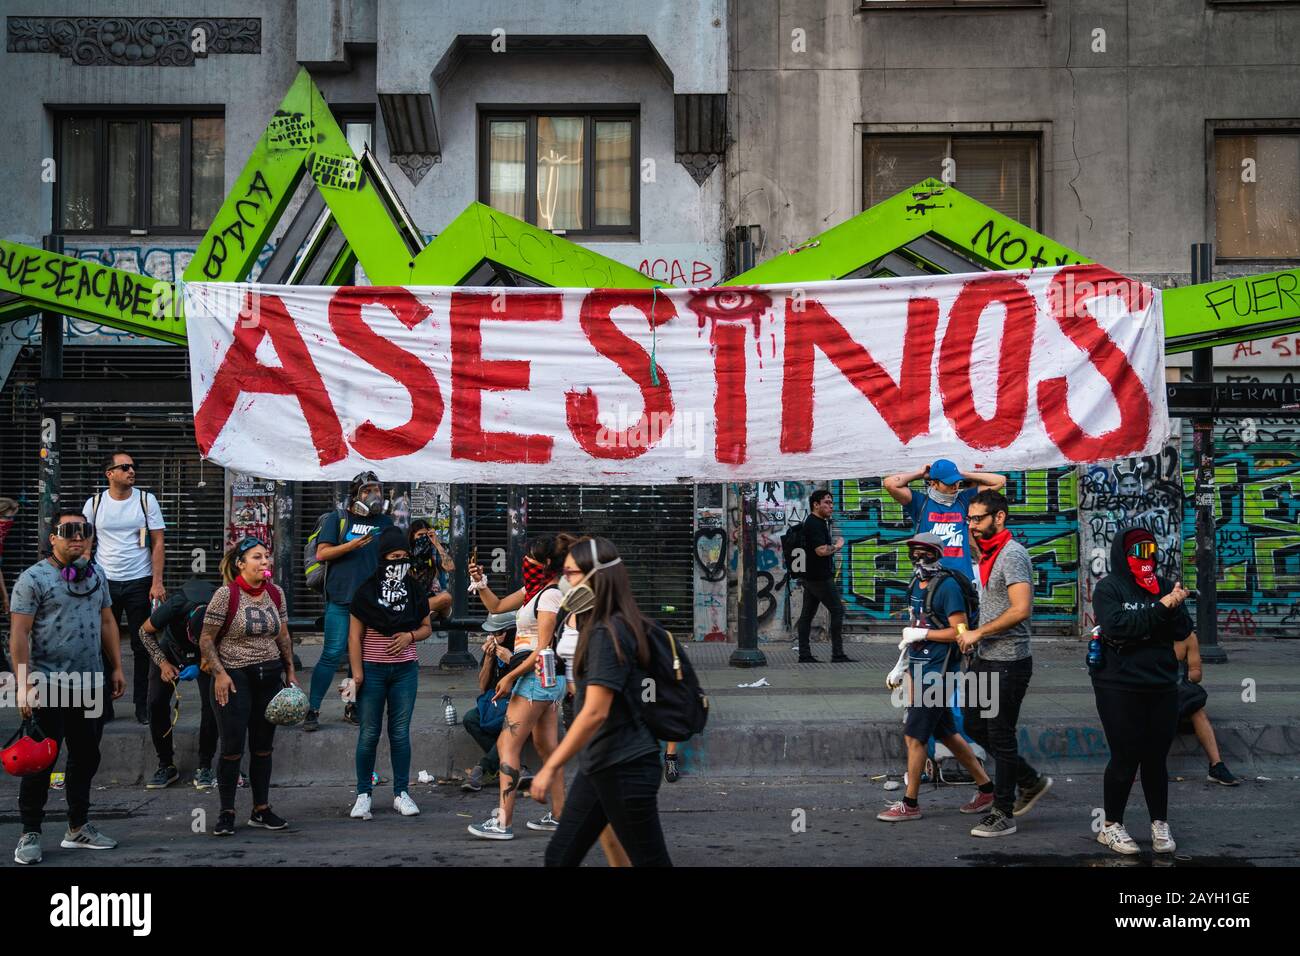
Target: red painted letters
x: 1068, y: 294
x: 471, y: 375
x: 1013, y: 364
x: 297, y: 375
x: 583, y: 408
x: 905, y: 405
x: 345, y: 308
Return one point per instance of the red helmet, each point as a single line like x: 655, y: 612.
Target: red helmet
x: 32, y: 752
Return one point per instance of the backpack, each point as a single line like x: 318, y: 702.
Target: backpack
x: 792, y: 545
x: 315, y: 571
x: 184, y: 652
x: 678, y: 708
x: 970, y: 596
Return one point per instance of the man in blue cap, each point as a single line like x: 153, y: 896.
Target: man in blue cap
x: 941, y: 508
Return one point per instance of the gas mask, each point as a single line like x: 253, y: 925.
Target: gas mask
x: 368, y: 506
x: 77, y: 570
x: 579, y: 597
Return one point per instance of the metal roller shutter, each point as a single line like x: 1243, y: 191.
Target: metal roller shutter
x: 314, y: 498
x: 1257, y: 519
x: 652, y: 525
x: 161, y: 440
x: 873, y: 577
x: 20, y: 439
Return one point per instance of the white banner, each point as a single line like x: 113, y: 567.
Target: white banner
x: 999, y: 370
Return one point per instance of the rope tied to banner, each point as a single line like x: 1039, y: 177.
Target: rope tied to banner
x: 654, y: 338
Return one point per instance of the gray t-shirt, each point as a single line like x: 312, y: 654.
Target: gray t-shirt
x: 67, y: 618
x: 1011, y: 567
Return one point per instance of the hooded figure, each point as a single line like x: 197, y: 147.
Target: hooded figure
x: 1137, y: 631
x: 391, y: 599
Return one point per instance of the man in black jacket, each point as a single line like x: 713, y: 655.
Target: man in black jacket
x: 1141, y: 616
x: 819, y: 578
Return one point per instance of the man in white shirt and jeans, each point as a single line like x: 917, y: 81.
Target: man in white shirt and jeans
x: 129, y: 551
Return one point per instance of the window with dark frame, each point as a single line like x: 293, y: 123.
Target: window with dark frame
x: 567, y: 170
x: 119, y: 171
x: 1257, y: 194
x: 358, y: 125
x: 998, y: 170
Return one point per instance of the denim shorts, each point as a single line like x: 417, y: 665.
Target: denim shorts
x: 530, y: 688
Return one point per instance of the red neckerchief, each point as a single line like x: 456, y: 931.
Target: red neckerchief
x: 247, y: 588
x: 1144, y: 573
x: 536, y: 576
x: 990, y: 548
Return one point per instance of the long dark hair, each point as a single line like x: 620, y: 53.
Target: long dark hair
x: 550, y: 550
x: 612, y: 589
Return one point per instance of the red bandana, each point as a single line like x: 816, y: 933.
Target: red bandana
x: 990, y: 548
x: 1144, y: 573
x: 247, y: 588
x: 536, y: 576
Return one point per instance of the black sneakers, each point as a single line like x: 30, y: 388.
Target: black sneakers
x: 267, y: 820
x: 311, y: 721
x: 671, y: 771
x: 1221, y: 774
x: 225, y: 824
x: 163, y: 777
x: 350, y: 714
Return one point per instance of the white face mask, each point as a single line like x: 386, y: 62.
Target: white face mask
x: 564, y: 585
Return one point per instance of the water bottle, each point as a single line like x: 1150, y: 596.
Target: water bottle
x: 449, y: 710
x: 1094, y: 649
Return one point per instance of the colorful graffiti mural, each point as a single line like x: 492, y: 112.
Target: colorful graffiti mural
x: 1145, y: 491
x: 714, y: 561
x: 1257, y: 526
x: 1044, y: 515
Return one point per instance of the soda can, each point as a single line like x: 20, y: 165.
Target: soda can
x: 545, y: 668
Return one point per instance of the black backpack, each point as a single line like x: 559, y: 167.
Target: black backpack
x: 969, y: 595
x: 678, y: 708
x: 792, y: 545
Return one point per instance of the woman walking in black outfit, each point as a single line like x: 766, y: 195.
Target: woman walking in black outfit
x: 618, y: 757
x: 1136, y: 684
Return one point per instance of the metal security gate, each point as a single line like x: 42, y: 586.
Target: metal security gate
x: 874, y: 575
x: 20, y: 445
x: 1257, y: 525
x: 652, y: 526
x: 159, y: 437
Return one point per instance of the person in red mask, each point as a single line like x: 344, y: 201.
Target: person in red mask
x: 1141, y: 616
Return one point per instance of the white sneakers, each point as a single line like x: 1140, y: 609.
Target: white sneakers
x: 1116, y: 837
x: 1161, y: 841
x: 361, y: 809
x: 404, y: 805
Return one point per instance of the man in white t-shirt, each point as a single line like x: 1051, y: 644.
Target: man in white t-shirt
x: 130, y: 553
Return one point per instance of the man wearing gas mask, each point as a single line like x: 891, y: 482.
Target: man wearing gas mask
x: 348, y: 542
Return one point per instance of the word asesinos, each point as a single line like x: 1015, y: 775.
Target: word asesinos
x: 934, y: 689
x: 80, y: 690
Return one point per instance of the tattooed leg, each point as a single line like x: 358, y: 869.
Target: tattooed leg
x: 513, y: 774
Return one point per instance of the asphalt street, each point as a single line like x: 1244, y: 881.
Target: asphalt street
x: 708, y: 821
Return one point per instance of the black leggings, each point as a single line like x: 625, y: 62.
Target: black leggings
x: 1140, y: 728
x: 245, y: 716
x: 625, y: 796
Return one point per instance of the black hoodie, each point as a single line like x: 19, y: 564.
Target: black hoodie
x: 1138, y: 632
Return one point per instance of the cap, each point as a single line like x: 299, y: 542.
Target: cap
x: 927, y: 539
x: 499, y: 622
x: 945, y: 471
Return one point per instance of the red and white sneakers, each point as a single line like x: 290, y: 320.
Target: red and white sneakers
x: 898, y: 812
x: 979, y: 803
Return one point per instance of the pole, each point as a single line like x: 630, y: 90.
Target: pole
x: 1207, y: 583
x: 458, y: 656
x: 747, y: 653
x: 51, y: 369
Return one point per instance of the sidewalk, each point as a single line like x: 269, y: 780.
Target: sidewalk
x: 811, y: 719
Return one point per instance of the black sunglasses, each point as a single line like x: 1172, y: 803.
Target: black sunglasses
x: 126, y: 467
x: 75, y: 529
x: 977, y: 518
